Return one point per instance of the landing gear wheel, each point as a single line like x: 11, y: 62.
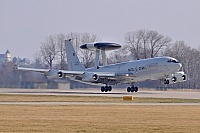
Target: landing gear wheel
x: 106, y: 88
x: 109, y: 88
x: 132, y: 89
x: 102, y: 88
x: 136, y: 89
x: 128, y: 89
x: 166, y: 81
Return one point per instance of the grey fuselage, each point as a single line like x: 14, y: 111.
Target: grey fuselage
x: 141, y: 70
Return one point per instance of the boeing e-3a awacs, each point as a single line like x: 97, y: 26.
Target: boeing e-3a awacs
x: 165, y: 69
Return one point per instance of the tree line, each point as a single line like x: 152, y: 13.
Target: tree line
x: 53, y: 49
x: 139, y: 44
x: 144, y: 44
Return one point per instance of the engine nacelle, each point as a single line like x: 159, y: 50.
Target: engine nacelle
x: 90, y: 77
x: 177, y: 77
x: 180, y: 76
x: 54, y: 74
x: 60, y: 74
x: 168, y: 81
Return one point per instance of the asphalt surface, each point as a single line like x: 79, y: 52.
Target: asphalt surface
x: 97, y: 103
x: 114, y: 93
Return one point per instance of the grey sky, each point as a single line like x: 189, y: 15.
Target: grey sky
x: 24, y: 24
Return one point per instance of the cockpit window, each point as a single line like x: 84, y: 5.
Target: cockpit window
x: 174, y: 61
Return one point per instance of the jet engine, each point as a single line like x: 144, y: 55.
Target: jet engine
x: 180, y: 76
x: 60, y: 74
x: 168, y: 81
x: 177, y: 77
x: 90, y: 77
x: 54, y: 74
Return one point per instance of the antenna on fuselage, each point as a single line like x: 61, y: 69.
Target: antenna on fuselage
x: 100, y: 47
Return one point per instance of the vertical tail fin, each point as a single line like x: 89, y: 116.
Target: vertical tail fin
x: 72, y: 58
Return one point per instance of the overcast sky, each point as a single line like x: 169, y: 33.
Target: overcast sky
x: 24, y: 24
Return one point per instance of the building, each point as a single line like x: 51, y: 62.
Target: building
x: 5, y: 57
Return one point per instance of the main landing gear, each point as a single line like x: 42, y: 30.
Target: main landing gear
x: 109, y: 88
x: 132, y: 89
x: 106, y: 88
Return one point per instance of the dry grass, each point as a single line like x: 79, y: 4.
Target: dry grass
x: 54, y: 98
x: 101, y: 118
x: 97, y: 118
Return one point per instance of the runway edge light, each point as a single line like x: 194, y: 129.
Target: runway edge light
x: 128, y: 98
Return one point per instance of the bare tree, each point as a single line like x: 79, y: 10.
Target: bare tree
x: 53, y: 49
x: 37, y: 61
x: 48, y: 51
x: 61, y: 51
x: 134, y: 45
x: 190, y: 59
x: 86, y: 56
x: 144, y: 37
x: 146, y: 43
x: 157, y: 42
x: 119, y: 55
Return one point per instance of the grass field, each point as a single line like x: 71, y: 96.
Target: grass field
x: 111, y: 119
x: 97, y: 118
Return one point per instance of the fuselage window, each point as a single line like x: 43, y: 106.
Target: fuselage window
x: 174, y: 61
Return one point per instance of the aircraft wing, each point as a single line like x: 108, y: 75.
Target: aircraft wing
x: 105, y: 74
x: 51, y: 73
x: 81, y: 73
x: 111, y: 75
x: 69, y: 73
x: 46, y: 71
x: 33, y: 69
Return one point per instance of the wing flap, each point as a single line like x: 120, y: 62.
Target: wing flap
x: 105, y: 74
x: 72, y: 72
x: 126, y: 74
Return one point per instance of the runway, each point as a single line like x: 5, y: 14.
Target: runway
x: 114, y: 93
x: 99, y: 103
